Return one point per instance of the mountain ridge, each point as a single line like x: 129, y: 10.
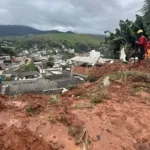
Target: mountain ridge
x: 22, y: 30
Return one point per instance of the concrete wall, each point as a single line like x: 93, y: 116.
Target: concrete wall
x: 84, y: 71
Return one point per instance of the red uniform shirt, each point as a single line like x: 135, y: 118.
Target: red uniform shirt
x: 143, y: 42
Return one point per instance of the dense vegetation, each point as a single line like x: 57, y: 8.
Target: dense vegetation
x: 28, y: 67
x: 70, y: 38
x: 126, y: 35
x: 8, y: 50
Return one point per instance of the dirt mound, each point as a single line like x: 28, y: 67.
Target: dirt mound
x: 108, y: 68
x: 21, y: 139
x: 111, y: 68
x: 143, y: 145
x: 2, y: 106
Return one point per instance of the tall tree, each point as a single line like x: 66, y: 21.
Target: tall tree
x: 146, y: 16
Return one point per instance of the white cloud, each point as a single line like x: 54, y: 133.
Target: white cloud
x: 86, y: 16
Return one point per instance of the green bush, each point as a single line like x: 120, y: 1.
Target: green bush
x: 29, y: 67
x: 53, y: 99
x: 70, y: 86
x: 50, y: 64
x: 91, y: 78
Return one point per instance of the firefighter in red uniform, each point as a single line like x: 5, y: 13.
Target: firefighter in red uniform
x: 142, y: 45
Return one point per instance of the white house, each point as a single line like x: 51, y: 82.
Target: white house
x: 94, y: 54
x: 7, y: 57
x: 35, y: 57
x: 93, y: 59
x: 71, y: 51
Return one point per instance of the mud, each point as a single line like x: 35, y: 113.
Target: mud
x: 120, y: 120
x: 13, y: 138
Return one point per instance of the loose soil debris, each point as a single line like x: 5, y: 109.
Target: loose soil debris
x: 118, y: 119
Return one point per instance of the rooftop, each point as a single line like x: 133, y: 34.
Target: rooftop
x: 89, y: 60
x: 21, y: 74
x: 32, y: 86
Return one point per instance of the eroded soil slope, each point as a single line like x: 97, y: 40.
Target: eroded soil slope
x: 91, y: 116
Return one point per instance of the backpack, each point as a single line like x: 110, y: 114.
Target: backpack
x: 147, y: 53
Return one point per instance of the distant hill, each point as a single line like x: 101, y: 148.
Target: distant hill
x: 19, y: 30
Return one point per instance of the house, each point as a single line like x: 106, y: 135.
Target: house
x: 71, y: 51
x: 82, y: 65
x: 26, y: 75
x: 40, y: 86
x: 44, y: 58
x: 35, y: 57
x: 43, y: 52
x: 93, y: 59
x: 5, y: 57
x: 2, y: 65
x: 19, y: 59
x: 26, y: 52
x: 22, y: 75
x: 94, y: 54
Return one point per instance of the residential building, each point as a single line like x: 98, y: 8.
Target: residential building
x: 35, y: 57
x: 5, y: 57
x: 94, y: 54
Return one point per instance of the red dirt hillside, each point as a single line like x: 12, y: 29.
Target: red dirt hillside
x: 89, y: 117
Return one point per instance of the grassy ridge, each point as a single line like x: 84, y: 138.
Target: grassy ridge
x: 71, y: 38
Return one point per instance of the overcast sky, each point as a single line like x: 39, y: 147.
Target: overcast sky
x: 83, y: 16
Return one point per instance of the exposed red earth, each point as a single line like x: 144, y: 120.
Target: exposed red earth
x: 116, y: 117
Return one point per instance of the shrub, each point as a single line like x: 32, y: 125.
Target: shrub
x: 70, y: 86
x: 52, y: 118
x: 91, y: 78
x: 98, y: 98
x: 53, y: 99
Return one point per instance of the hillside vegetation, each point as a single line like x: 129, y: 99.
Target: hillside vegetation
x: 24, y: 37
x: 79, y: 42
x: 71, y: 38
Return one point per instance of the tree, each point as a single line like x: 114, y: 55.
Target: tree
x: 9, y: 51
x: 50, y: 62
x: 80, y: 47
x: 146, y: 16
x: 123, y: 38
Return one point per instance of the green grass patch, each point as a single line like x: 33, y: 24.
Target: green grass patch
x: 100, y: 97
x: 91, y: 78
x: 141, y: 87
x: 33, y: 110
x: 53, y: 99
x: 71, y: 38
x: 84, y: 105
x: 70, y: 87
x: 124, y: 75
x: 52, y: 118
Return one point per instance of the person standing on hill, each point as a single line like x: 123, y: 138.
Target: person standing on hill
x: 142, y: 45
